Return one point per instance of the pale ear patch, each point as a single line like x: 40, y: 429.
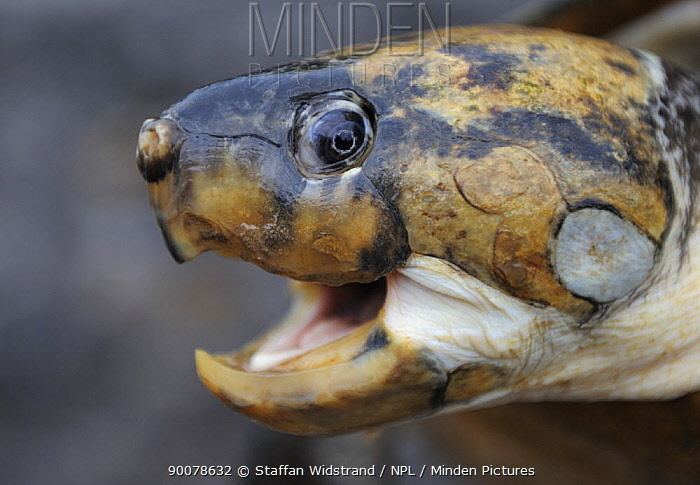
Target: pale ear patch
x: 600, y: 256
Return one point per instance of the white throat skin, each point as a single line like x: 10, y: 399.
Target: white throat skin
x: 463, y: 320
x: 647, y: 350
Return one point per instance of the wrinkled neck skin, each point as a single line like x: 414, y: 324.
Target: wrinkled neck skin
x: 653, y: 338
x: 646, y: 346
x: 649, y: 349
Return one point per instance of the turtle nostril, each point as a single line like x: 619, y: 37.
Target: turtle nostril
x: 157, y: 148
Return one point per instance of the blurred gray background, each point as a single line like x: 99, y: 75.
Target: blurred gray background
x: 97, y: 323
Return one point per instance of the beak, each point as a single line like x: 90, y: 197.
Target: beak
x: 376, y: 386
x: 368, y: 377
x: 158, y: 160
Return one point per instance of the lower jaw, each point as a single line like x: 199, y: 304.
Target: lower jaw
x: 369, y: 376
x: 366, y: 377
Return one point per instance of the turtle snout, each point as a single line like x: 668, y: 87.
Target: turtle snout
x: 158, y: 147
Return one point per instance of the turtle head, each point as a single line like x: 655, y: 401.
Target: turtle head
x: 508, y: 219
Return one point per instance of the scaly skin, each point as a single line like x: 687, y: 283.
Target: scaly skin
x: 481, y: 151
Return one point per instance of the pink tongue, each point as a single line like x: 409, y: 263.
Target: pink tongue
x: 324, y: 332
x: 286, y: 347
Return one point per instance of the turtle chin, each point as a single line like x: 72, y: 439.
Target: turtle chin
x: 356, y: 356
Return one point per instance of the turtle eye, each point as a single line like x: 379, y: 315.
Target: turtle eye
x: 333, y: 132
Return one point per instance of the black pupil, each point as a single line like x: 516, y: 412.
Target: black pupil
x: 338, y: 135
x: 344, y: 141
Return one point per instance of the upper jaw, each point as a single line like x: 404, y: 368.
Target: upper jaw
x: 420, y: 353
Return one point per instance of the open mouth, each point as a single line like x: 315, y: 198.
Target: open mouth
x: 317, y: 371
x: 327, y: 315
x: 324, y: 326
x: 428, y: 302
x: 353, y: 356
